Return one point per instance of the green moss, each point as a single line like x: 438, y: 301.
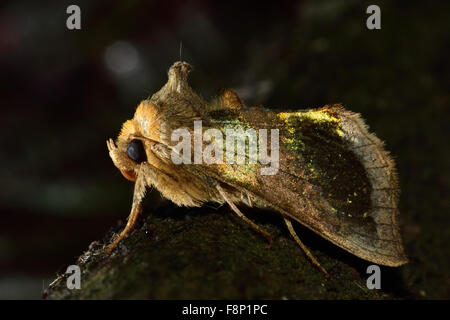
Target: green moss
x: 209, y: 254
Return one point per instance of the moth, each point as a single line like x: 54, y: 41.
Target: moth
x: 332, y: 176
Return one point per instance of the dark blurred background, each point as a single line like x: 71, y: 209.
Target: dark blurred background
x: 63, y: 93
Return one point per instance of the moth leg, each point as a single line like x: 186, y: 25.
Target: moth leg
x: 243, y: 217
x: 249, y: 201
x: 136, y: 208
x: 305, y: 248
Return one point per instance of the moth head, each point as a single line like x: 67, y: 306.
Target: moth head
x: 149, y: 128
x: 134, y: 141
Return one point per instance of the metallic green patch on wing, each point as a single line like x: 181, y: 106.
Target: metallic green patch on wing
x: 316, y: 138
x: 244, y: 174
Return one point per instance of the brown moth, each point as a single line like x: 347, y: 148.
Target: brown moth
x: 332, y: 176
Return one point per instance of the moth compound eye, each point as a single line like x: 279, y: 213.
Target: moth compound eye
x: 136, y: 151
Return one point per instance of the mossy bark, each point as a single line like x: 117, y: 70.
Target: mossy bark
x: 207, y: 253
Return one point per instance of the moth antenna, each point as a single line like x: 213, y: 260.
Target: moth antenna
x: 181, y: 47
x: 305, y: 248
x: 243, y: 217
x: 143, y: 139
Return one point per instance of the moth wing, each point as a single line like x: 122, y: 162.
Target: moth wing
x: 334, y: 177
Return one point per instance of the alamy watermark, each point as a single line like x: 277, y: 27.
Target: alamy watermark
x: 238, y: 147
x: 374, y: 280
x: 373, y: 22
x: 74, y: 279
x: 73, y: 21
